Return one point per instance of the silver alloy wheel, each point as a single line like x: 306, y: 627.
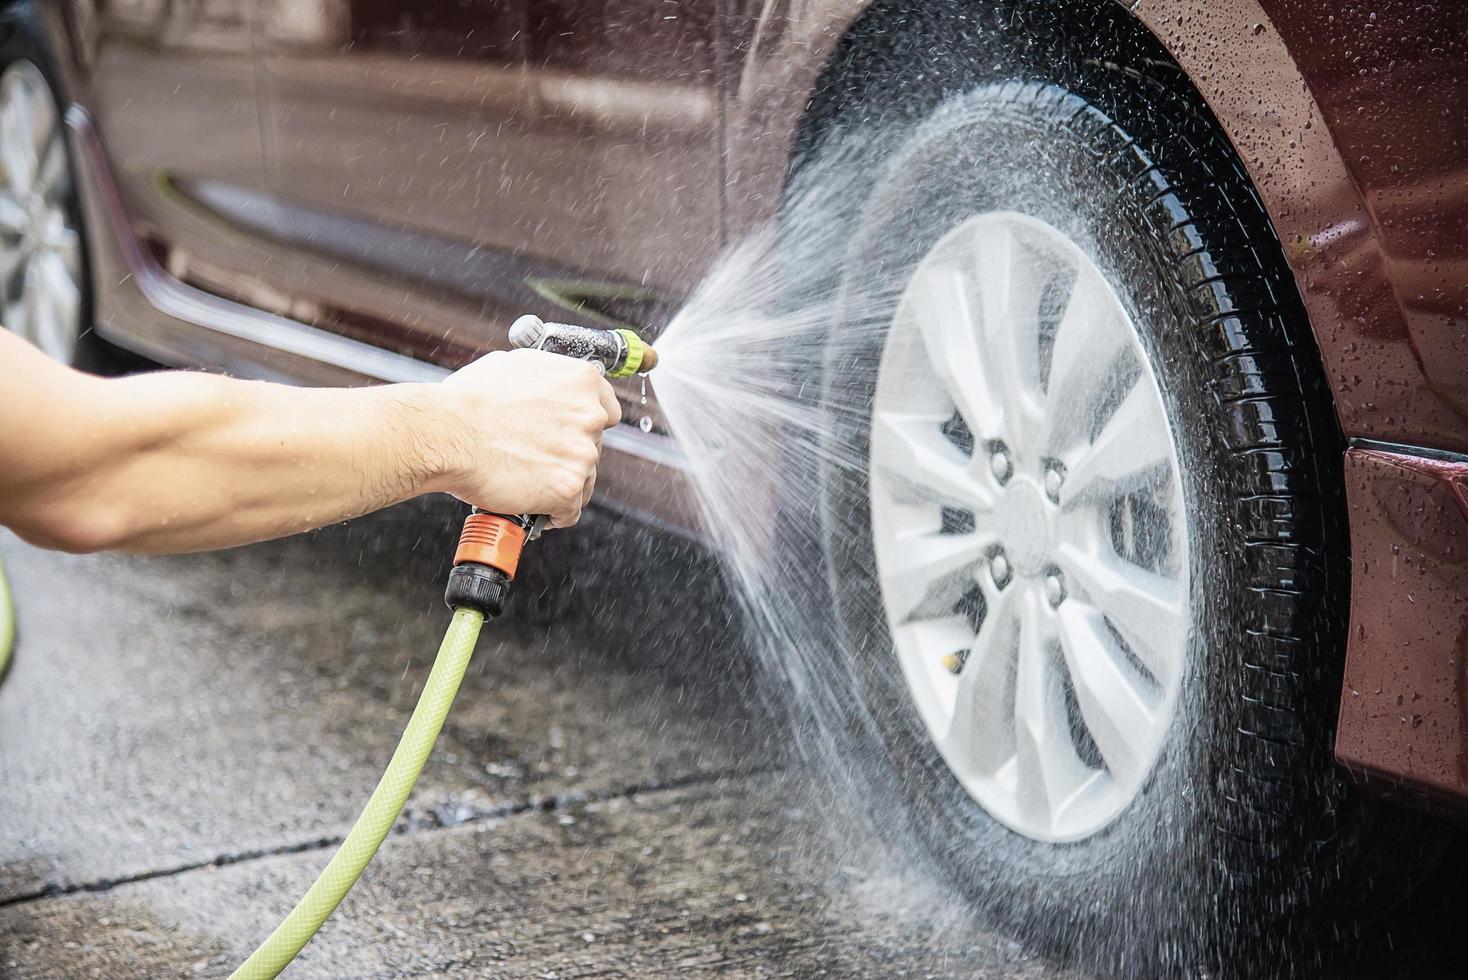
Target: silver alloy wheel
x: 1029, y: 527
x: 40, y: 247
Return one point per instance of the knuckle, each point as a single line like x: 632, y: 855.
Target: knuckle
x: 567, y: 488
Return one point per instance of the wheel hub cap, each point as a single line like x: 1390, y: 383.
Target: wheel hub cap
x: 1024, y: 527
x: 1029, y: 526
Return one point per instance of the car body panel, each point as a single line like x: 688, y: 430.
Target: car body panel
x: 539, y: 133
x: 1350, y: 121
x: 1404, y: 707
x: 155, y: 74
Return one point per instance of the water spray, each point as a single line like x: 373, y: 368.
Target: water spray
x: 479, y: 586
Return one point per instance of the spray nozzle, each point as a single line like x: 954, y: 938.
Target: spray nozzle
x: 620, y: 353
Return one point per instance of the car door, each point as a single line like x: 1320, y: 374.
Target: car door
x: 463, y: 161
x: 173, y: 94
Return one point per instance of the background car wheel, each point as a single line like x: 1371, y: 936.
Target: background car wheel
x: 1093, y: 573
x: 45, y: 287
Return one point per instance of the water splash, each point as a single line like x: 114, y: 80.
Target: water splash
x: 740, y: 381
x: 765, y: 376
x: 743, y: 380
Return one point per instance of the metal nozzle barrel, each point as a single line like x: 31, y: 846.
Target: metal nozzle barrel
x: 620, y: 353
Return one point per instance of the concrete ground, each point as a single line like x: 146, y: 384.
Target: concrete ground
x: 183, y: 742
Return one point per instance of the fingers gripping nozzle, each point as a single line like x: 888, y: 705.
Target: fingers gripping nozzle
x: 490, y: 544
x: 620, y: 353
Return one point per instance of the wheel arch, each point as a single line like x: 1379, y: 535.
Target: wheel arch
x: 802, y: 62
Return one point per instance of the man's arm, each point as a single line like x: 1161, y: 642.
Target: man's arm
x: 185, y: 461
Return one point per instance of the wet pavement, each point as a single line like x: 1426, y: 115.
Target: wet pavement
x: 183, y: 742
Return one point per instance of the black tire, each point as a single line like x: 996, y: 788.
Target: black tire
x: 22, y: 38
x: 1246, y: 835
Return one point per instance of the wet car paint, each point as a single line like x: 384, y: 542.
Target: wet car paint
x: 1404, y: 707
x: 1349, y: 119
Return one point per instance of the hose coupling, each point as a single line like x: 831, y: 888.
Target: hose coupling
x: 486, y: 561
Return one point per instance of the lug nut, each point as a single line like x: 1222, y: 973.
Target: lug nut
x: 999, y: 569
x: 1053, y: 479
x: 1000, y: 465
x: 1054, y: 588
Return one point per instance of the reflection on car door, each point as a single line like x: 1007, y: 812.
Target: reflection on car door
x: 174, y: 98
x: 489, y: 156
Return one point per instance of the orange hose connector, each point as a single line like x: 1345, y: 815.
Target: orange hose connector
x: 489, y: 539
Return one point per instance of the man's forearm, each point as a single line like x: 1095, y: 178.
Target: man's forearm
x: 188, y: 461
x: 183, y: 461
x: 253, y: 461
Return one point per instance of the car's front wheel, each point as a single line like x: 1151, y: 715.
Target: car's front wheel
x: 1087, y: 531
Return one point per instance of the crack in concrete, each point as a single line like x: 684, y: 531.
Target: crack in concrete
x: 533, y: 805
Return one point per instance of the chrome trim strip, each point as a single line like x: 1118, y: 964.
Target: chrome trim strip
x: 1402, y: 449
x: 194, y: 306
x: 214, y: 313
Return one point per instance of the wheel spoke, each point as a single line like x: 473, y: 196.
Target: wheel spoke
x: 1010, y: 282
x: 52, y: 303
x: 1050, y: 771
x: 67, y: 245
x: 23, y: 124
x: 1108, y: 691
x: 16, y: 162
x: 923, y: 644
x: 912, y: 453
x: 1147, y: 609
x: 38, y: 307
x: 922, y: 563
x: 982, y: 731
x: 12, y: 218
x: 60, y: 286
x: 26, y: 313
x: 52, y: 176
x: 39, y: 118
x: 941, y: 308
x: 1091, y: 345
x: 938, y: 635
x: 12, y: 269
x: 1132, y: 450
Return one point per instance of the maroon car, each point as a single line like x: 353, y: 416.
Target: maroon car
x: 1158, y: 579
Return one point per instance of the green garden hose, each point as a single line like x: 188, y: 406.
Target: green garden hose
x: 7, y: 623
x: 377, y: 818
x: 382, y: 809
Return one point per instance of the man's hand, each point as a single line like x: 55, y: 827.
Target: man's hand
x: 523, y: 433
